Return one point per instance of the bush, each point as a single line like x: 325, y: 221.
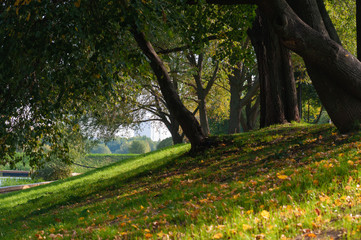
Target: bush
x: 139, y: 147
x: 165, y: 143
x: 53, y: 170
x: 101, y: 149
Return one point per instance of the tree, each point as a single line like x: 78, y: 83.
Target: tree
x: 197, y: 62
x: 165, y: 143
x: 139, y: 147
x: 333, y: 69
x: 101, y: 149
x: 277, y: 83
x: 239, y: 79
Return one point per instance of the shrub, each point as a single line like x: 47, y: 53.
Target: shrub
x: 53, y: 170
x: 101, y: 149
x: 139, y: 147
x: 165, y: 143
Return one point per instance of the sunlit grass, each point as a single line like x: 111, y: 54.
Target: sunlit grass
x: 284, y: 182
x: 4, y: 181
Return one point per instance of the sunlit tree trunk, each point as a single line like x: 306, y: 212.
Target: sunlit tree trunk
x: 188, y: 122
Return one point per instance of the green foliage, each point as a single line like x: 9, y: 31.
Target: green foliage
x: 165, y: 143
x: 218, y: 126
x: 139, y: 147
x: 101, y: 148
x: 53, y: 170
x: 343, y: 15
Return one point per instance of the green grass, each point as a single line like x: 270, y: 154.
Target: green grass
x: 84, y: 164
x: 4, y: 182
x: 283, y: 182
x: 99, y: 160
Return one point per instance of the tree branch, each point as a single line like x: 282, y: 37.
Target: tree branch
x: 226, y: 2
x: 212, y: 80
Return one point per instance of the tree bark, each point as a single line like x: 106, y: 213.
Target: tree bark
x: 277, y: 84
x: 335, y: 73
x: 201, y: 91
x: 236, y: 80
x: 188, y: 122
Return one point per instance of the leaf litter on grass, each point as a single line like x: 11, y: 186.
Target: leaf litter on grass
x: 284, y: 182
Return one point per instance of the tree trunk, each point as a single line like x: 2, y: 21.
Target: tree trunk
x: 174, y: 131
x: 203, y: 114
x: 249, y: 115
x: 277, y: 84
x: 202, y: 92
x: 235, y: 83
x: 335, y: 73
x: 188, y: 122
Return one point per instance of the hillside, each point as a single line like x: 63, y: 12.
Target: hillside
x: 283, y: 182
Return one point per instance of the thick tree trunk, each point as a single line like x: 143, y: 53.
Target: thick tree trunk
x: 188, y: 122
x: 236, y: 84
x: 174, y: 131
x: 277, y: 84
x: 203, y: 114
x: 237, y: 81
x: 335, y: 73
x: 250, y: 115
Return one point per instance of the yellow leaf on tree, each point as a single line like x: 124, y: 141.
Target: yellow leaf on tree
x: 77, y: 3
x: 218, y: 236
x: 28, y: 17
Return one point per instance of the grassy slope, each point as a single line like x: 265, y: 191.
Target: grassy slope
x: 99, y: 160
x: 89, y: 160
x: 279, y: 183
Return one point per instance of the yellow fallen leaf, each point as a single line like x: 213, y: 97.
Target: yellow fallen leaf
x: 311, y: 235
x: 218, y: 236
x: 135, y: 226
x: 265, y: 214
x: 282, y: 177
x: 148, y: 235
x: 246, y: 227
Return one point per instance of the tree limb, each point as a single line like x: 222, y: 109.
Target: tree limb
x: 226, y: 2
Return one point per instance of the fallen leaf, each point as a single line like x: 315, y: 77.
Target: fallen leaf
x: 218, y: 236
